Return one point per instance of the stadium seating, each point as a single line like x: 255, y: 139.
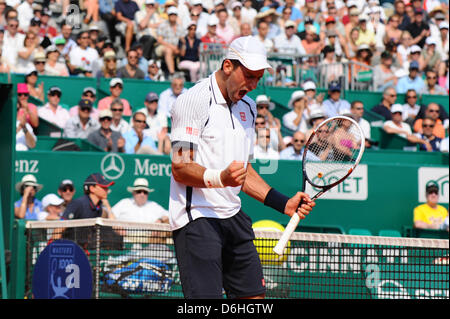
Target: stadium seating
x: 389, y: 233
x: 360, y: 232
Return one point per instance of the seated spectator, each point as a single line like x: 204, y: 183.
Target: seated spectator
x: 430, y: 215
x: 52, y: 111
x: 109, y: 68
x: 334, y: 104
x: 383, y: 73
x: 261, y: 35
x: 94, y: 203
x: 156, y: 122
x: 388, y: 99
x: 28, y: 206
x: 248, y: 13
x: 263, y: 106
x: 139, y: 208
x: 52, y: 207
x: 118, y: 124
x: 412, y: 81
x: 313, y: 101
x: 154, y: 72
x: 419, y: 28
x: 148, y: 20
x: 431, y: 86
x: 66, y: 190
x: 131, y: 70
x: 366, y: 35
x: 142, y: 62
x: 190, y: 53
x: 4, y: 65
x: 287, y: 42
x: 47, y: 28
x: 224, y: 30
x: 211, y: 36
x: 357, y: 111
x: 24, y: 108
x: 263, y: 150
x: 410, y: 108
x: 169, y: 32
x: 429, y: 57
x: 66, y: 35
x: 82, y: 56
x: 295, y: 151
x: 89, y: 93
x: 52, y: 66
x: 169, y: 95
x: 105, y: 138
x: 445, y: 144
x: 295, y: 120
x: 82, y: 125
x: 125, y: 11
x: 39, y: 62
x: 35, y: 91
x: 432, y: 111
x: 363, y: 56
x: 25, y: 53
x: 396, y: 125
x: 116, y: 89
x: 25, y: 138
x: 12, y: 42
x: 136, y: 140
x: 270, y: 16
x: 428, y: 124
x: 310, y: 43
x: 331, y: 69
x: 316, y: 116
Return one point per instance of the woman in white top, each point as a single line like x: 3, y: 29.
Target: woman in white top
x: 52, y: 66
x: 25, y: 55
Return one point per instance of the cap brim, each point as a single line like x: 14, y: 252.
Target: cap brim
x: 106, y: 185
x: 131, y: 189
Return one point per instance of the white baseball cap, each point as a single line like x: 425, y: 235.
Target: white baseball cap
x: 172, y: 10
x: 115, y: 81
x: 297, y: 95
x: 213, y: 20
x: 430, y: 41
x: 309, y: 85
x: 415, y: 48
x: 250, y: 52
x: 52, y: 199
x: 262, y: 99
x: 397, y: 108
x: 443, y: 25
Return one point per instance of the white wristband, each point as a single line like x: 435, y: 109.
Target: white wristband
x: 211, y: 177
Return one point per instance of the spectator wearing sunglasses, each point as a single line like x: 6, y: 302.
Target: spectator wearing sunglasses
x: 295, y: 150
x: 431, y: 86
x: 12, y: 42
x: 137, y: 139
x: 116, y: 89
x: 432, y: 111
x: 105, y: 138
x: 118, y: 124
x: 28, y: 206
x: 89, y: 93
x: 428, y: 124
x: 139, y: 208
x: 24, y: 108
x: 66, y: 191
x: 82, y: 125
x: 52, y: 111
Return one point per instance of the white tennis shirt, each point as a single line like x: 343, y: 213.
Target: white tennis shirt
x: 219, y: 134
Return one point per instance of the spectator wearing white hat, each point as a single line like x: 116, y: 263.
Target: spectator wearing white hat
x: 116, y: 89
x: 52, y: 206
x: 211, y: 36
x: 28, y: 206
x: 104, y: 137
x: 52, y: 111
x: 263, y: 108
x: 66, y: 190
x: 442, y: 41
x: 295, y: 119
x: 52, y: 66
x: 139, y: 208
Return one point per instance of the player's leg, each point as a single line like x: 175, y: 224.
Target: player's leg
x: 198, y: 247
x: 242, y: 269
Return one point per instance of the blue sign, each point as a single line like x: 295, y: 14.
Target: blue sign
x: 62, y: 271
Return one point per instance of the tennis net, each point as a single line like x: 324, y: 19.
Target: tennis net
x: 136, y: 260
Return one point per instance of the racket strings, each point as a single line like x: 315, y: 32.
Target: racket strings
x: 332, y: 151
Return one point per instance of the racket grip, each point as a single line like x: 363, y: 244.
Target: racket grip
x: 290, y: 228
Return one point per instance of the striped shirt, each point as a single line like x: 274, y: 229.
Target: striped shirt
x: 219, y: 134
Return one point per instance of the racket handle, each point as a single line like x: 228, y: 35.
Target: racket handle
x: 290, y: 228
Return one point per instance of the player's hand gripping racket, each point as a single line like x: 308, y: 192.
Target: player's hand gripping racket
x: 331, y: 154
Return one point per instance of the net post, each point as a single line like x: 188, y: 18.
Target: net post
x: 97, y: 261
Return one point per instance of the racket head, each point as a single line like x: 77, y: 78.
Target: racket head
x: 332, y: 152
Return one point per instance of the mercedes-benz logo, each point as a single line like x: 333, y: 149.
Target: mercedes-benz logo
x: 112, y: 166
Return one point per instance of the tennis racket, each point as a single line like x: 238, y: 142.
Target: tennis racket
x: 331, y: 154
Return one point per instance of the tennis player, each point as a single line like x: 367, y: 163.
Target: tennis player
x: 212, y: 138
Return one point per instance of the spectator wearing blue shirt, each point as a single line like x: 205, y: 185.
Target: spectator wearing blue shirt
x: 334, y: 104
x: 295, y: 151
x: 296, y: 14
x: 137, y: 140
x: 28, y: 206
x: 412, y: 81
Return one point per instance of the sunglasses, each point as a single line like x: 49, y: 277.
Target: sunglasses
x: 431, y: 77
x: 260, y: 123
x: 84, y: 109
x: 117, y: 86
x: 116, y: 110
x: 67, y: 189
x: 411, y: 97
x: 139, y: 121
x: 106, y: 118
x: 141, y: 192
x: 433, y: 111
x: 55, y: 94
x: 263, y: 107
x: 297, y: 140
x: 23, y: 94
x: 427, y: 125
x: 432, y: 192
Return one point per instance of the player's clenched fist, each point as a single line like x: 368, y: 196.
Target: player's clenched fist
x: 234, y: 174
